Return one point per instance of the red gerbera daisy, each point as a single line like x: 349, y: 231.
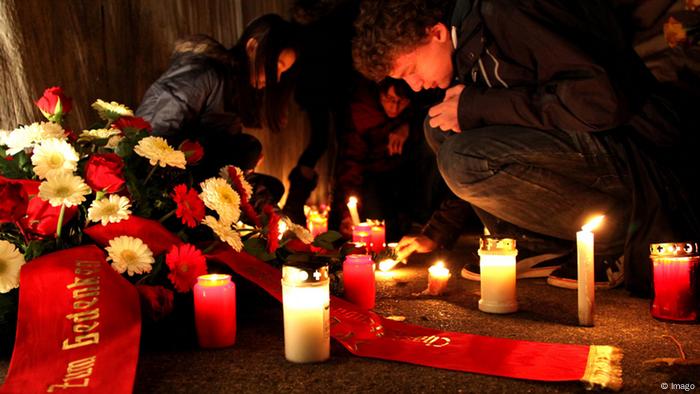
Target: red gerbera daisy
x: 186, y: 263
x: 132, y: 122
x: 190, y: 208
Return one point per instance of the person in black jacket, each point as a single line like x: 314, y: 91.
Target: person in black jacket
x: 549, y: 117
x: 209, y: 92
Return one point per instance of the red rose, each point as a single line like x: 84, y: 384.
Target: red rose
x: 193, y: 151
x: 13, y: 201
x: 54, y: 104
x: 131, y: 122
x: 156, y: 301
x: 105, y: 172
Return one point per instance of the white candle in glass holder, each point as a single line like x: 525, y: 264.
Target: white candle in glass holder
x: 306, y: 308
x: 497, y: 264
x: 586, y: 274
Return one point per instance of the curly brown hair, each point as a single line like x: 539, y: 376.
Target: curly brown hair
x: 386, y: 29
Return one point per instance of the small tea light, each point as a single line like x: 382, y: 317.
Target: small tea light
x: 215, y: 310
x: 361, y: 230
x: 377, y: 236
x: 438, y: 276
x: 317, y: 224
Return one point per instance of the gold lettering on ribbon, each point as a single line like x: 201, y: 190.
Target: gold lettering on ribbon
x: 85, y: 293
x: 427, y: 340
x: 78, y: 371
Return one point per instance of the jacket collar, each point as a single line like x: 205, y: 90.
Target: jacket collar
x: 467, y: 36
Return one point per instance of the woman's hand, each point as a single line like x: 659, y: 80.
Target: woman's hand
x: 414, y: 243
x: 397, y: 139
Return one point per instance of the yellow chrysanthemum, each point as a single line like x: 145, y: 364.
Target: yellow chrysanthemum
x: 218, y: 195
x: 98, y: 134
x: 158, y: 152
x: 11, y: 260
x: 225, y: 232
x: 130, y: 255
x: 246, y: 186
x: 113, y: 209
x: 52, y: 157
x: 114, y: 141
x: 48, y: 130
x: 64, y: 189
x: 112, y: 110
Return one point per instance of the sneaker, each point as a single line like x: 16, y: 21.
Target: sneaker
x: 608, y: 271
x: 529, y: 265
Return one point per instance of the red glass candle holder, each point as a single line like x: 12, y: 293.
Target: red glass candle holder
x: 358, y: 280
x: 676, y: 288
x: 215, y: 310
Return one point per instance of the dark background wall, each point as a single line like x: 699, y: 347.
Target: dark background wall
x: 113, y: 50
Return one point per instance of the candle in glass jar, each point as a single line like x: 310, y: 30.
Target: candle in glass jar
x: 318, y: 224
x: 352, y: 208
x: 377, y: 237
x: 497, y: 265
x: 306, y: 309
x: 438, y: 275
x: 361, y: 230
x: 359, y: 281
x: 215, y: 310
x: 586, y: 278
x: 676, y: 273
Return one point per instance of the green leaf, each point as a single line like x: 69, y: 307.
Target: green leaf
x: 258, y: 248
x: 329, y: 240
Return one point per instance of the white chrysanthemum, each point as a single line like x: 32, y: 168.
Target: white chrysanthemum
x: 109, y: 210
x: 98, y: 134
x: 129, y: 254
x: 246, y: 186
x: 225, y: 232
x: 64, y: 189
x: 302, y: 233
x: 111, y: 110
x: 48, y: 130
x: 11, y: 260
x: 114, y: 141
x: 52, y: 157
x: 158, y: 152
x: 20, y: 138
x: 218, y: 195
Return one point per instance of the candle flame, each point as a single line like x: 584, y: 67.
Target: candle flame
x: 352, y: 201
x: 282, y: 228
x: 593, y: 223
x: 211, y: 280
x: 439, y: 264
x: 386, y: 265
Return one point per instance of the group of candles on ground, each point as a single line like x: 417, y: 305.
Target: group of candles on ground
x: 306, y: 298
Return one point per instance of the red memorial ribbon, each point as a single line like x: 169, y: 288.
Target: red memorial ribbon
x: 367, y: 334
x: 78, y: 326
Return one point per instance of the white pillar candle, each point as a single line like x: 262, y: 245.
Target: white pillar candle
x: 306, y: 307
x: 352, y: 207
x: 438, y: 275
x: 586, y: 273
x: 497, y: 262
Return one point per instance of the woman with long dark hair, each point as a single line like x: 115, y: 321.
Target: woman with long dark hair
x: 209, y: 92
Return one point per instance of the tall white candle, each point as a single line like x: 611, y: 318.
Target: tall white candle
x: 352, y: 207
x: 305, y: 304
x: 586, y: 275
x: 497, y: 263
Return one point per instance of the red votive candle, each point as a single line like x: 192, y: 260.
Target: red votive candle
x: 215, y: 310
x: 377, y: 238
x: 676, y: 276
x: 358, y: 280
x: 361, y: 230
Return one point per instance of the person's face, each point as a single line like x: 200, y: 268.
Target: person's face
x: 430, y: 64
x: 393, y: 103
x: 285, y: 61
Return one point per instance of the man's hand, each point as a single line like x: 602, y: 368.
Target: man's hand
x: 414, y: 243
x: 445, y: 115
x: 397, y: 139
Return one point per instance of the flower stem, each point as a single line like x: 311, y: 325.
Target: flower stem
x: 167, y: 215
x: 211, y: 247
x: 60, y: 221
x: 150, y: 174
x: 21, y: 231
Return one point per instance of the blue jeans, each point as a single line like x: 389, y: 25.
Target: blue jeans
x: 535, y: 183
